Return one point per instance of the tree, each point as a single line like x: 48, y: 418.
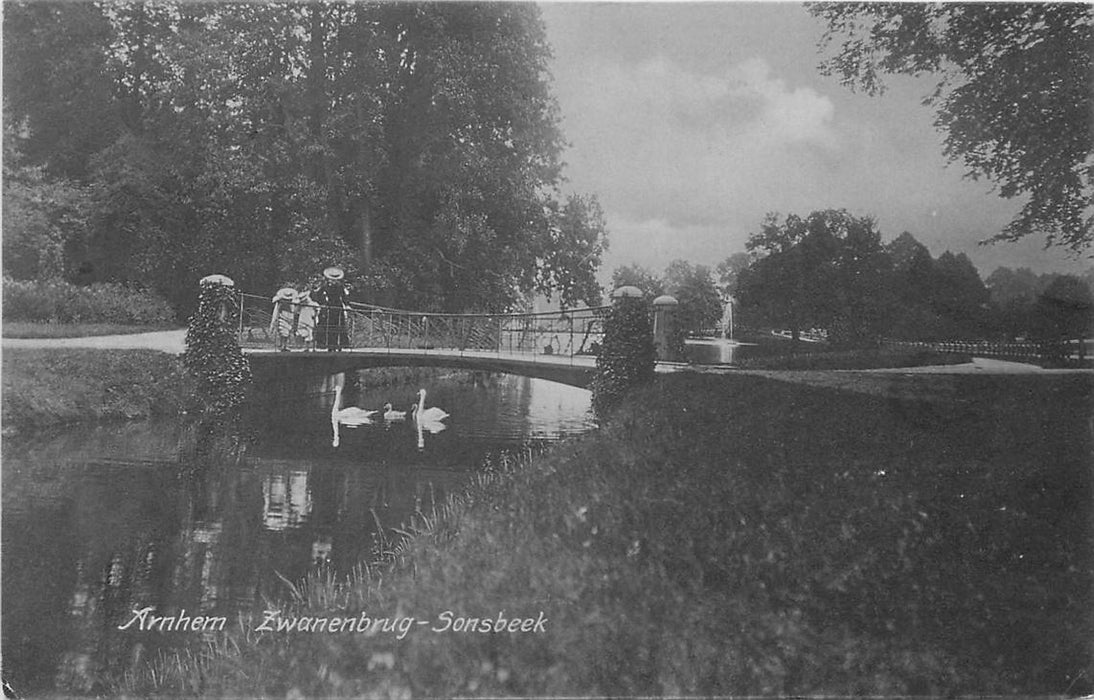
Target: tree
x: 828, y: 270
x: 416, y: 145
x: 728, y: 271
x: 1013, y: 95
x: 1013, y: 294
x: 637, y: 276
x: 700, y: 305
x: 1064, y: 311
x: 789, y: 283
x: 572, y: 252
x: 41, y: 215
x: 958, y: 296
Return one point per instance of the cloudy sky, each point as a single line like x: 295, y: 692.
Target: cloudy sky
x: 691, y: 121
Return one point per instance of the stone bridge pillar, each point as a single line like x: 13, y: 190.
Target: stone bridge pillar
x: 664, y: 325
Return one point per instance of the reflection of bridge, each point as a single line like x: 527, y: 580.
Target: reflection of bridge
x: 559, y: 345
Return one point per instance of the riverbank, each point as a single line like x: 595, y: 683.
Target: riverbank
x: 726, y: 535
x: 47, y: 388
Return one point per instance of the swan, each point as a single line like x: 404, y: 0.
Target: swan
x: 427, y: 415
x: 391, y: 414
x: 352, y: 415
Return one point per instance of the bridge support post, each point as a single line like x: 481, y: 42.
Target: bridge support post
x: 664, y: 329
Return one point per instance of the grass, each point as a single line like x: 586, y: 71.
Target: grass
x: 26, y: 329
x: 730, y: 535
x: 48, y: 388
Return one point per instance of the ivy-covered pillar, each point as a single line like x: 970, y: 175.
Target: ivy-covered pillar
x: 213, y: 356
x: 627, y: 355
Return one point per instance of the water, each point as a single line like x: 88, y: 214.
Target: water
x: 98, y: 522
x: 717, y: 351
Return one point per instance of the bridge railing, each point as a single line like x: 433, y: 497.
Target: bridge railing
x: 559, y: 333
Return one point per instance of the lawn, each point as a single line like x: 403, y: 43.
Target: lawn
x: 729, y: 535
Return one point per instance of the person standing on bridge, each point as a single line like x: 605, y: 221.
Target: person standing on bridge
x: 307, y: 310
x: 333, y: 301
x: 281, y: 320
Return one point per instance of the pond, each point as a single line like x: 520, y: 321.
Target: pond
x: 101, y: 521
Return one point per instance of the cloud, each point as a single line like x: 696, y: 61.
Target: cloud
x: 683, y: 149
x: 690, y: 121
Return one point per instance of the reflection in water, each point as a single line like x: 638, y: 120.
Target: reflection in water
x: 718, y: 351
x: 98, y: 522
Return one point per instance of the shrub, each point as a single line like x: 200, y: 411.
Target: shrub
x: 56, y: 301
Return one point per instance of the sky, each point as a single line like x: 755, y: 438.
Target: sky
x: 691, y: 121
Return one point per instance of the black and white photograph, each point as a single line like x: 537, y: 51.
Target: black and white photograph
x: 588, y: 350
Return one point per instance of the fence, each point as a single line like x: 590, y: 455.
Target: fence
x: 565, y: 333
x: 1020, y: 352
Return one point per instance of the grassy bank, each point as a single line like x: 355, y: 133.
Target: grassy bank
x: 730, y: 535
x: 25, y: 329
x: 44, y: 388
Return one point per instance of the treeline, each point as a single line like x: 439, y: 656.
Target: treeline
x: 831, y: 271
x: 416, y: 145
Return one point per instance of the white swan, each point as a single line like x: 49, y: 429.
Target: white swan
x: 352, y: 415
x: 391, y: 414
x: 427, y: 415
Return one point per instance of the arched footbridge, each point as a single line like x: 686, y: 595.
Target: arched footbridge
x: 560, y: 345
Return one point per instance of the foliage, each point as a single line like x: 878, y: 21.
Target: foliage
x: 46, y: 388
x: 941, y: 299
x: 728, y: 271
x: 414, y: 145
x: 648, y: 282
x: 571, y: 259
x: 1064, y: 310
x: 1013, y: 94
x: 730, y: 536
x: 213, y: 356
x: 827, y: 270
x: 627, y: 355
x: 40, y: 215
x: 1014, y: 300
x: 700, y: 303
x: 55, y: 301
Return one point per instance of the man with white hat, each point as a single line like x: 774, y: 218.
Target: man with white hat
x: 333, y: 302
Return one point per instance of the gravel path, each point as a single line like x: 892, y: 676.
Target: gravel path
x: 173, y: 342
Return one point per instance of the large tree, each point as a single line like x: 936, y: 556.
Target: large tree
x: 700, y: 304
x: 415, y: 144
x: 1012, y: 95
x: 827, y: 270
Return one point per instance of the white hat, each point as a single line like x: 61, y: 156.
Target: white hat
x: 334, y: 273
x: 285, y: 293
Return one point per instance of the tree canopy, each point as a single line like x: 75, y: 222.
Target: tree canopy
x: 831, y: 271
x: 1013, y: 95
x: 415, y: 144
